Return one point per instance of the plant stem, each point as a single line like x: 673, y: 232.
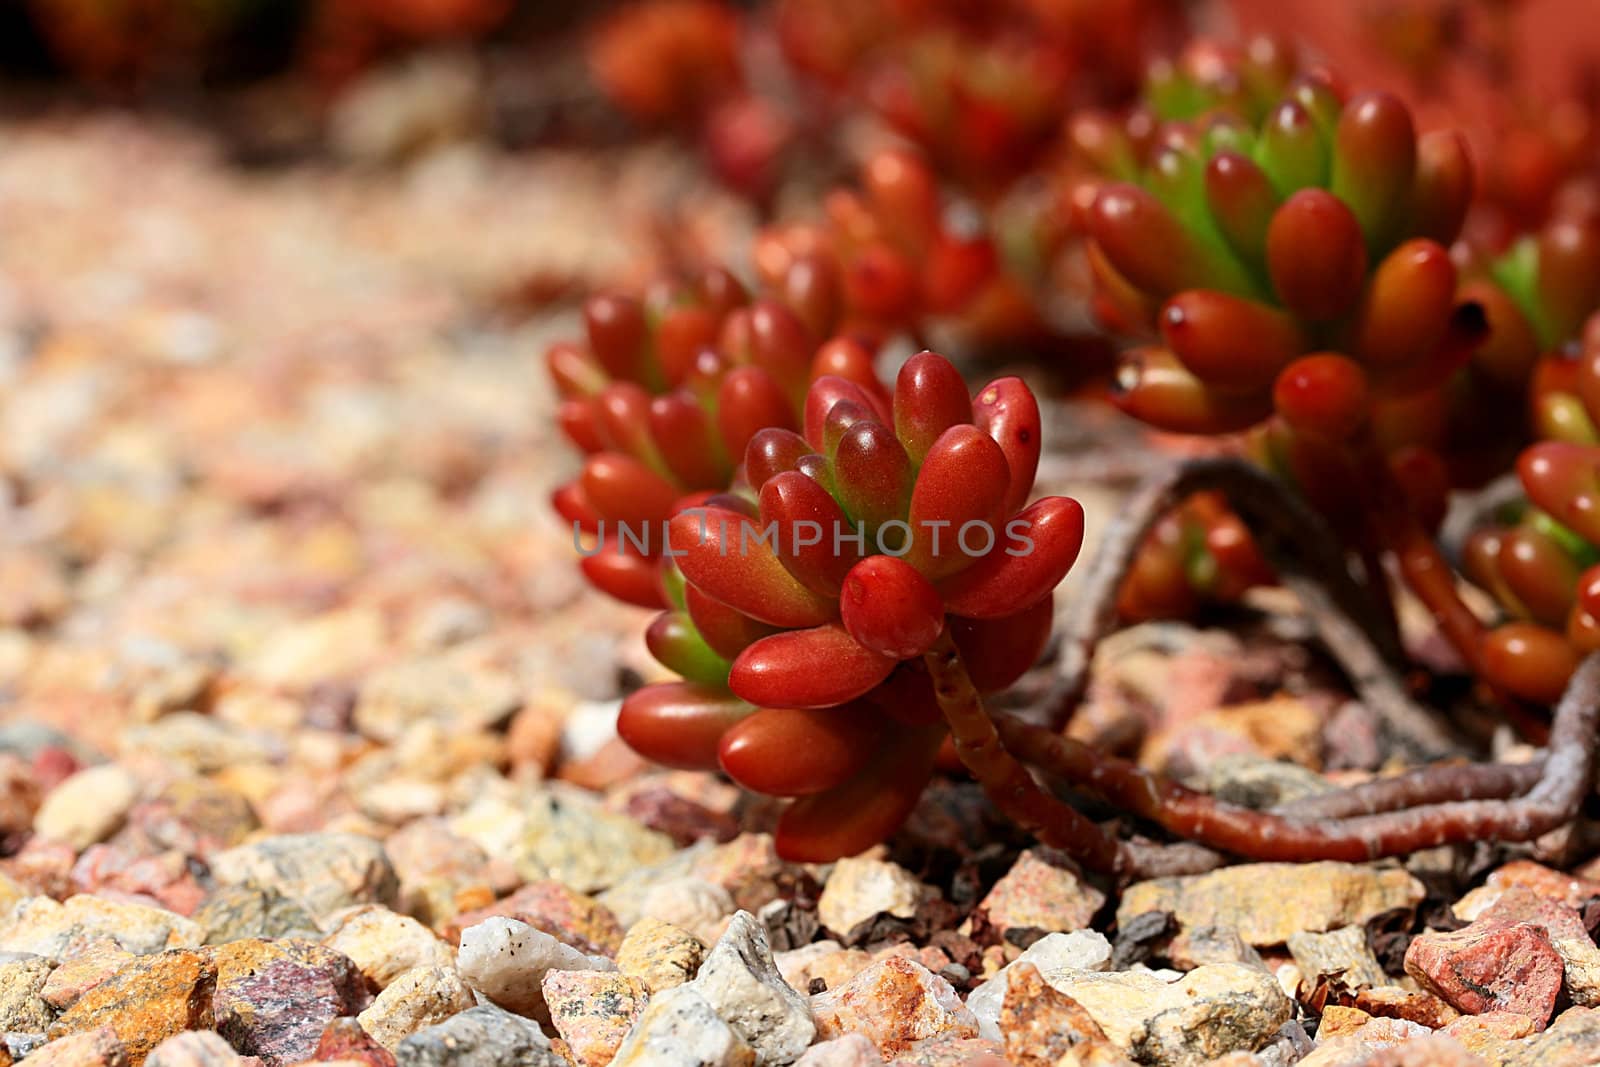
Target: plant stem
x: 1564, y: 779
x: 1006, y: 781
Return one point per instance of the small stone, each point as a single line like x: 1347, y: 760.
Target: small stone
x: 953, y: 1050
x: 197, y: 1048
x: 87, y: 807
x: 659, y: 954
x: 859, y: 890
x: 413, y: 1001
x: 194, y: 816
x: 165, y: 878
x: 827, y: 962
x: 1341, y: 955
x: 459, y: 697
x: 1339, y: 1020
x: 1200, y: 945
x: 1413, y: 1005
x: 506, y: 961
x: 485, y: 1036
x: 696, y: 905
x: 274, y: 998
x: 1210, y: 1011
x: 593, y: 1011
x: 851, y: 1050
x: 344, y: 1039
x: 1269, y: 902
x: 384, y: 944
x: 680, y: 1028
x: 1042, y: 892
x: 1491, y: 965
x: 1040, y: 1024
x: 236, y: 912
x: 22, y: 1004
x: 574, y: 918
x: 1359, y: 1042
x: 1573, y: 1040
x: 1379, y: 1044
x: 1253, y: 781
x: 99, y: 1047
x: 436, y: 866
x: 740, y: 981
x: 148, y: 1001
x: 91, y: 962
x: 45, y: 928
x: 321, y: 872
x: 1081, y: 950
x: 1580, y: 959
x: 896, y: 1002
x: 1538, y: 879
x: 563, y: 833
x: 1483, y: 1034
x: 749, y: 868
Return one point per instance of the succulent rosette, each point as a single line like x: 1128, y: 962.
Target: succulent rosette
x: 804, y: 600
x: 886, y: 258
x: 662, y: 398
x: 1541, y: 562
x: 1297, y: 266
x: 1197, y: 554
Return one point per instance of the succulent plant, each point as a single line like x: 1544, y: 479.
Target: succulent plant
x: 887, y: 258
x: 1544, y: 297
x: 1199, y: 553
x: 663, y: 397
x: 667, y: 62
x: 805, y: 601
x: 1298, y: 266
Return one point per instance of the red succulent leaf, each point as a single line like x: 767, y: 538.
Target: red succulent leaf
x: 725, y: 555
x: 748, y: 401
x: 824, y: 394
x: 792, y: 752
x: 964, y: 479
x: 772, y: 451
x: 727, y: 631
x: 815, y: 668
x: 890, y: 608
x: 1227, y: 341
x: 628, y: 493
x: 1031, y: 556
x: 624, y: 574
x: 806, y: 523
x: 1153, y: 387
x: 872, y: 474
x: 999, y: 651
x: 1316, y: 254
x: 1323, y: 394
x: 1006, y: 410
x: 682, y: 434
x: 679, y: 724
x: 866, y: 810
x: 617, y: 331
x: 929, y: 398
x: 571, y: 504
x: 1564, y: 480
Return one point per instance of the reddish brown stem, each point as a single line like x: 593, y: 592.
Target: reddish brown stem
x: 1423, y: 786
x: 1005, y: 781
x: 1565, y: 779
x: 1426, y: 572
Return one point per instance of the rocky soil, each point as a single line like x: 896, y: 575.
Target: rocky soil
x: 306, y: 746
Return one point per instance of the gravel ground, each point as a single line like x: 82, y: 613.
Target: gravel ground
x: 306, y: 744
